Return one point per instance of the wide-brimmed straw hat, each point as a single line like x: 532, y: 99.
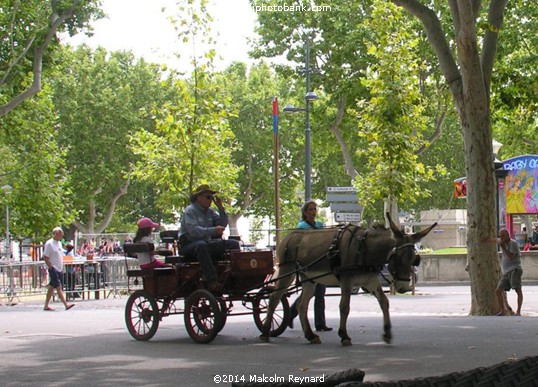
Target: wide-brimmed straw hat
x: 146, y: 223
x: 202, y: 189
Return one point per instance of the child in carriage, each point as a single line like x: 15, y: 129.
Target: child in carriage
x: 147, y: 260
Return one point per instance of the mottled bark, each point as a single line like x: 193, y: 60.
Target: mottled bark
x: 469, y: 84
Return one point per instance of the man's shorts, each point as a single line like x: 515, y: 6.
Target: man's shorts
x: 511, y: 280
x: 56, y: 277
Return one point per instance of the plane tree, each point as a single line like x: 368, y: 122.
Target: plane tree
x: 250, y: 93
x: 32, y: 164
x: 343, y: 50
x: 476, y: 29
x: 102, y: 98
x: 28, y: 30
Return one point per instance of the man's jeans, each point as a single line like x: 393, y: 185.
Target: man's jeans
x: 204, y: 251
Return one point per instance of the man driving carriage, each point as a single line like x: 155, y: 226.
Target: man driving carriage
x: 201, y: 232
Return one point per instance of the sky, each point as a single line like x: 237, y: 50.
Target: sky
x: 140, y: 26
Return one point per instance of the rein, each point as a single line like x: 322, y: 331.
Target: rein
x: 392, y: 255
x: 333, y: 254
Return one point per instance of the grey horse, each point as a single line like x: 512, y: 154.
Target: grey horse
x: 348, y: 257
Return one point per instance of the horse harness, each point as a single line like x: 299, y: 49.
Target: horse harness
x: 359, y: 264
x: 333, y: 254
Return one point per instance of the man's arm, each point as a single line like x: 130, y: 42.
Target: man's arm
x: 193, y: 228
x: 508, y: 250
x: 220, y: 218
x: 47, y: 261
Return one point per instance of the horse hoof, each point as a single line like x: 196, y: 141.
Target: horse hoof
x: 265, y: 339
x: 346, y: 343
x: 387, y: 339
x: 315, y: 340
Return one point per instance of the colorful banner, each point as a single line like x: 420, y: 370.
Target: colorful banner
x: 460, y: 188
x: 521, y: 184
x: 275, y: 115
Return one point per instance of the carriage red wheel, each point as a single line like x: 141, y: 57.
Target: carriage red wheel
x: 281, y: 316
x: 142, y: 315
x: 203, y: 316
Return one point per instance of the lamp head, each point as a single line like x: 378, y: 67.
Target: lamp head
x: 311, y: 96
x: 7, y: 189
x: 496, y: 145
x: 292, y: 109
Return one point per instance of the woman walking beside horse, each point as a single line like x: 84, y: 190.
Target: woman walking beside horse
x: 309, y: 211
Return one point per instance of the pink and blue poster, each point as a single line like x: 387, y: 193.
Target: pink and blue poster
x: 521, y: 184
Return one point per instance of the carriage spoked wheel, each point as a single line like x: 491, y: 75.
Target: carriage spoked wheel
x: 223, y: 313
x: 142, y: 315
x: 281, y: 316
x: 203, y: 316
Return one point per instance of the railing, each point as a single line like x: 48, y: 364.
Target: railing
x: 85, y: 279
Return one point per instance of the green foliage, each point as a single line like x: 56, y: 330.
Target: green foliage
x: 191, y: 144
x: 393, y: 121
x: 347, y: 48
x: 25, y: 30
x: 339, y: 54
x: 101, y: 100
x: 515, y: 81
x: 250, y: 95
x: 32, y: 163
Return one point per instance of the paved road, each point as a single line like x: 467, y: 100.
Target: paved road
x: 89, y: 345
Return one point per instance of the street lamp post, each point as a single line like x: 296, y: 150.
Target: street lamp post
x: 309, y: 96
x: 7, y: 247
x: 500, y: 174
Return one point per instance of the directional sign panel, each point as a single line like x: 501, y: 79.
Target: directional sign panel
x: 341, y: 189
x: 347, y: 217
x: 347, y: 207
x: 341, y: 197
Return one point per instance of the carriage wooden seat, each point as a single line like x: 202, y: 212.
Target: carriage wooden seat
x: 169, y: 236
x: 174, y: 259
x: 164, y: 252
x: 131, y: 249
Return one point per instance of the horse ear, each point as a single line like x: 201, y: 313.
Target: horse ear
x: 421, y: 234
x: 395, y: 230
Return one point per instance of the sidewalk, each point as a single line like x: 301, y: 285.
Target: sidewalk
x: 89, y: 344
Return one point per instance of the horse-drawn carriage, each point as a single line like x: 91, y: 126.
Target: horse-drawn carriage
x: 179, y: 289
x: 347, y: 256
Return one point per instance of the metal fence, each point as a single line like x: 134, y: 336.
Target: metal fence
x: 84, y: 279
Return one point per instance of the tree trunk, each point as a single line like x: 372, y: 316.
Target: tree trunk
x: 470, y: 84
x: 349, y: 168
x: 390, y: 205
x: 232, y: 224
x: 481, y: 214
x: 90, y: 227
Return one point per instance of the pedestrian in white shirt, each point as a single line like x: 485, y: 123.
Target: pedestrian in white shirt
x: 53, y: 255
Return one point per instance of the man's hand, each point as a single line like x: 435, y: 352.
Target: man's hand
x: 219, y: 230
x: 218, y: 201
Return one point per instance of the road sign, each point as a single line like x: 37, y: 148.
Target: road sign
x: 341, y: 189
x: 347, y: 216
x: 348, y: 207
x: 341, y: 197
